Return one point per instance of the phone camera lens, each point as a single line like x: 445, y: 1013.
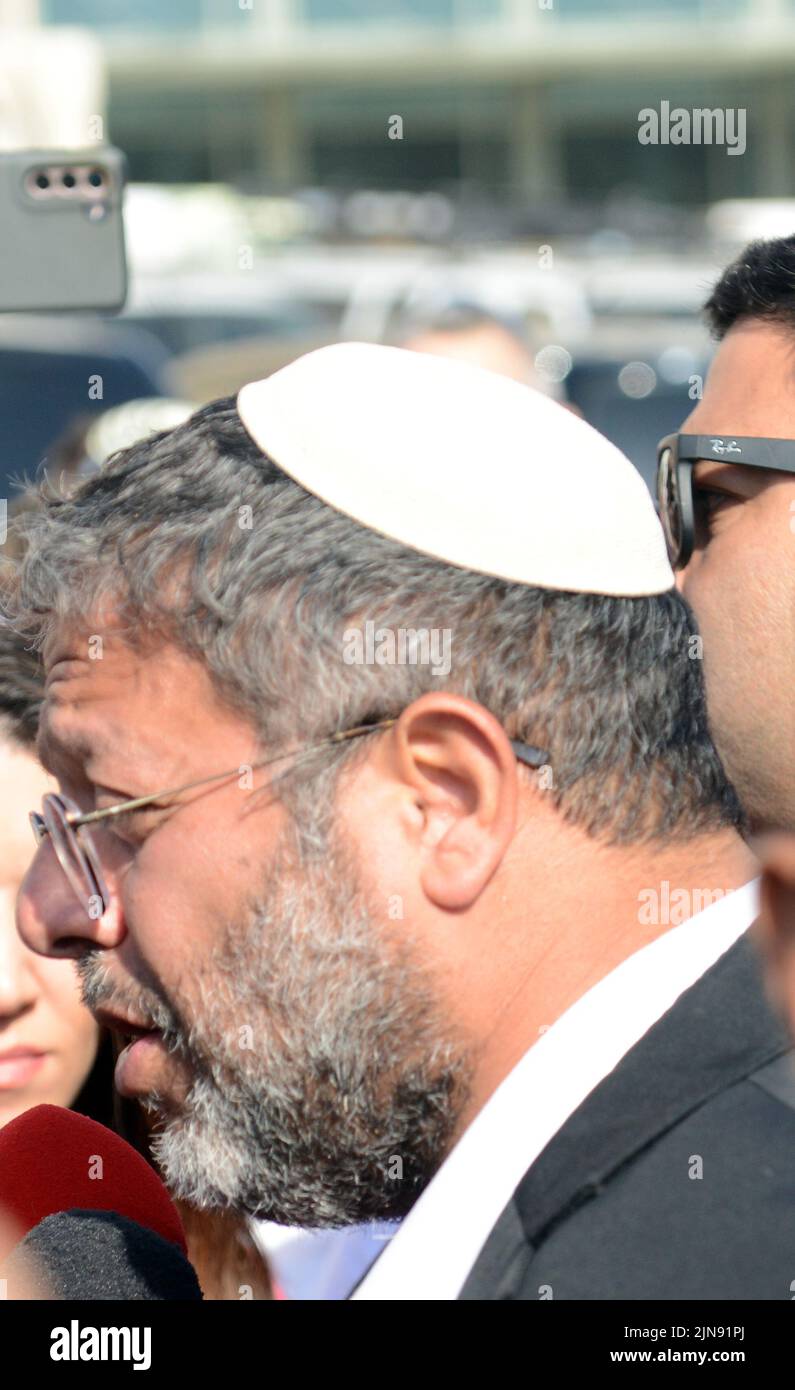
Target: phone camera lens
x: 42, y: 181
x: 95, y: 178
x: 69, y: 180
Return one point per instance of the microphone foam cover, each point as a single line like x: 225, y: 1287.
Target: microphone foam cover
x: 88, y: 1255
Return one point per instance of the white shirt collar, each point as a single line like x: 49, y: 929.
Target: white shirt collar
x: 435, y: 1248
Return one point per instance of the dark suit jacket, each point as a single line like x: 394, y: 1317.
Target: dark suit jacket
x: 609, y: 1210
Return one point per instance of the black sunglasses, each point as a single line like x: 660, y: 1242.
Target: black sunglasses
x: 676, y: 455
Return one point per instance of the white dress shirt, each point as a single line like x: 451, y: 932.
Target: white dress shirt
x: 314, y: 1265
x: 439, y: 1241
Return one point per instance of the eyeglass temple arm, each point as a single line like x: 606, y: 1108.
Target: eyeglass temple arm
x: 525, y: 752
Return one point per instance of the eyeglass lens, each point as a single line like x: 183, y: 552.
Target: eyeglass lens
x: 72, y: 857
x: 670, y: 503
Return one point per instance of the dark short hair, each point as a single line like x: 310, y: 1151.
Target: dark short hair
x: 611, y: 687
x: 759, y: 284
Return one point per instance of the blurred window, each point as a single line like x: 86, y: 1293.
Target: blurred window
x: 439, y: 105
x: 421, y: 163
x: 601, y: 159
x: 127, y: 14
x: 400, y: 11
x: 451, y: 134
x: 651, y: 9
x: 132, y: 15
x: 603, y: 163
x: 193, y: 136
x: 355, y: 162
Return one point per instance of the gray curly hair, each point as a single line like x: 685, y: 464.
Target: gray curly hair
x: 199, y: 539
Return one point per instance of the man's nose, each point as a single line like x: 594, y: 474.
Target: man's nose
x: 50, y: 917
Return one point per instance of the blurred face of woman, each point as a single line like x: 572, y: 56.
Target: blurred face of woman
x: 48, y: 1039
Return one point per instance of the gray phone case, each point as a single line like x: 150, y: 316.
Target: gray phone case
x: 58, y: 254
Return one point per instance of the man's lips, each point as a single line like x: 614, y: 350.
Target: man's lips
x: 140, y: 1065
x: 128, y: 1027
x: 145, y: 1064
x: 147, y: 1067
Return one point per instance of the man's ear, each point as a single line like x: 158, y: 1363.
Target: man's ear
x: 459, y: 762
x: 776, y: 926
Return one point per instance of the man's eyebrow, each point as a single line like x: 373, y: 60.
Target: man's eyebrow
x: 715, y: 472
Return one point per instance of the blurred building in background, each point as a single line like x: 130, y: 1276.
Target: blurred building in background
x: 531, y: 99
x: 52, y: 81
x: 309, y: 170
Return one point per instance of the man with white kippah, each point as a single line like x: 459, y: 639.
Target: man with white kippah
x: 432, y: 900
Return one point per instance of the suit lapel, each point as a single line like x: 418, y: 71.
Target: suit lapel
x: 718, y: 1032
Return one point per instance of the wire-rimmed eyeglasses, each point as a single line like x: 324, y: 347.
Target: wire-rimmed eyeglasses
x: 66, y: 824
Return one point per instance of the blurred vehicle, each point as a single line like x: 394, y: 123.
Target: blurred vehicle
x: 54, y: 371
x: 227, y: 287
x: 184, y: 312
x: 634, y: 402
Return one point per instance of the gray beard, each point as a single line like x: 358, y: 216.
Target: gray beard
x: 325, y: 1086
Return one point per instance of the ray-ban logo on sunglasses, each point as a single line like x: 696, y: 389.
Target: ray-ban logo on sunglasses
x: 719, y: 446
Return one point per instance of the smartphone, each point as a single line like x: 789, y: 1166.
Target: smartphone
x: 61, y: 230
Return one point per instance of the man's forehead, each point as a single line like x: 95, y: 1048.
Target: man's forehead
x: 105, y: 701
x: 97, y: 664
x: 116, y: 710
x: 750, y: 386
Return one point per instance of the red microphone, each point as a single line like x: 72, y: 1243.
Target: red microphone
x: 54, y: 1160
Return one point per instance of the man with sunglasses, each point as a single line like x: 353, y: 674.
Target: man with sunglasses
x: 392, y: 946
x: 726, y: 494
